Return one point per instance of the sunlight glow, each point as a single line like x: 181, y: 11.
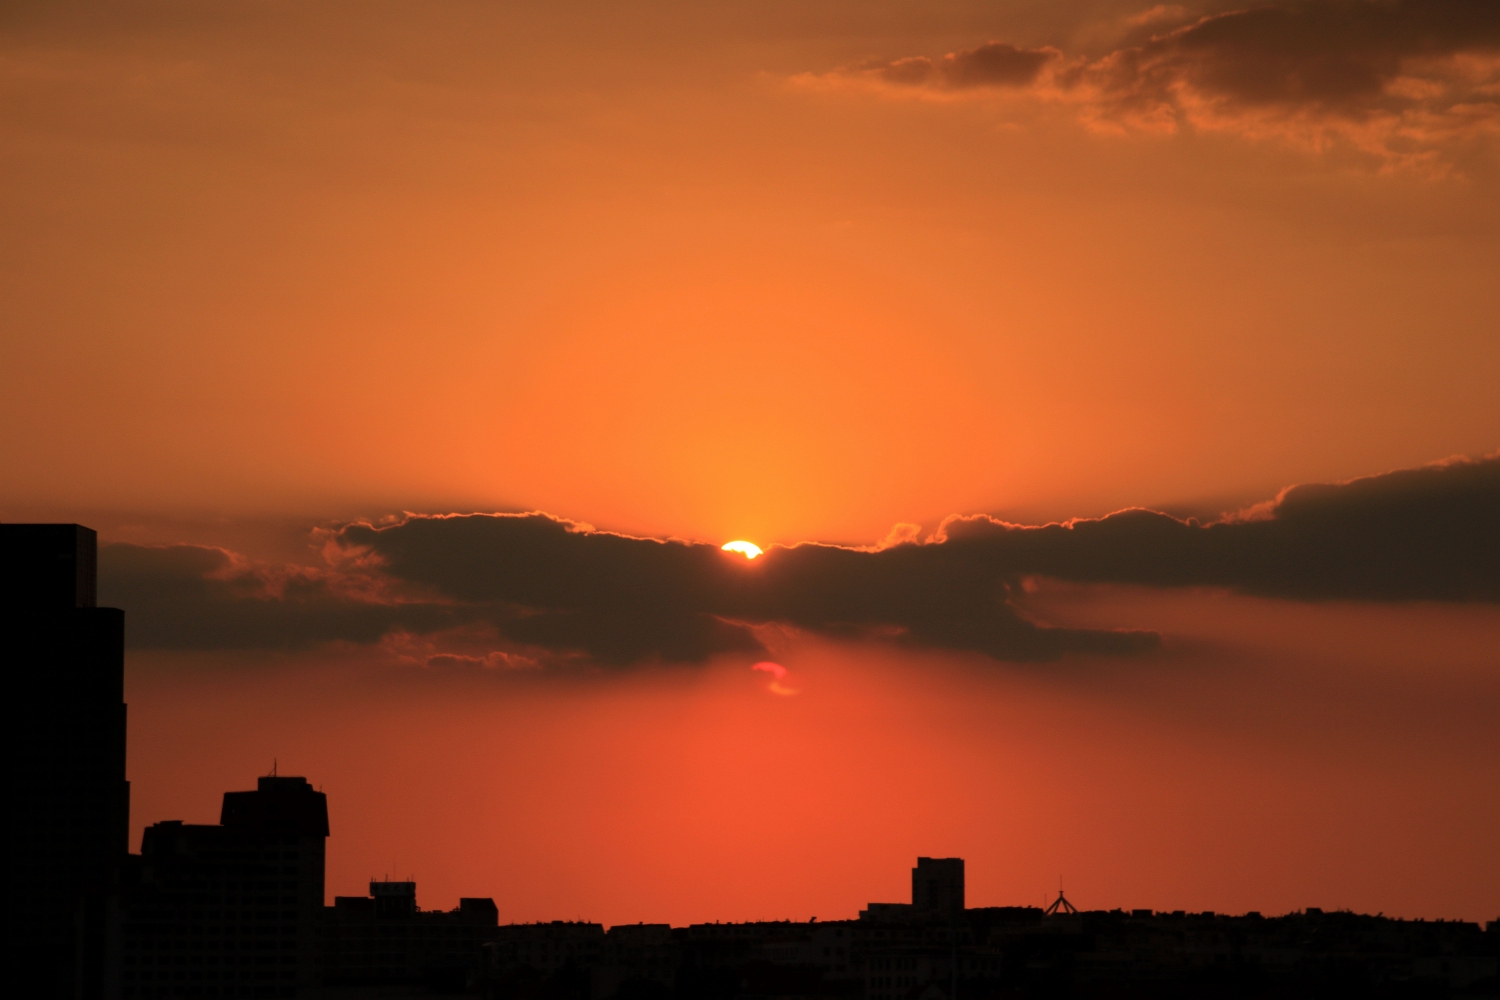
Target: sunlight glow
x: 778, y: 674
x: 749, y: 549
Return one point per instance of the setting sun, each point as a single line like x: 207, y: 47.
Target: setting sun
x: 749, y: 549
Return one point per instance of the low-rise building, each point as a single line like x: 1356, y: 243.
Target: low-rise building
x: 385, y: 939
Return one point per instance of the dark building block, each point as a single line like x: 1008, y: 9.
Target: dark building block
x: 385, y: 940
x: 937, y: 887
x: 231, y: 910
x: 69, y: 802
x: 48, y: 565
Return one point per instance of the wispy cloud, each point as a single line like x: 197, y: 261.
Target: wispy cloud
x: 994, y: 64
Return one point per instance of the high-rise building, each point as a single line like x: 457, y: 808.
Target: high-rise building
x: 937, y: 887
x: 231, y: 910
x: 69, y: 804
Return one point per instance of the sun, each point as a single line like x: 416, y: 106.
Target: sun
x: 749, y: 549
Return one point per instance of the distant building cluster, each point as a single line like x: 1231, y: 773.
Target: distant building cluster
x: 236, y: 910
x: 992, y: 953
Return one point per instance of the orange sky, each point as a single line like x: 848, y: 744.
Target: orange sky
x: 705, y: 271
x: 625, y: 268
x: 1274, y: 759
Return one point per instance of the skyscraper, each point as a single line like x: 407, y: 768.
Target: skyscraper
x: 69, y: 802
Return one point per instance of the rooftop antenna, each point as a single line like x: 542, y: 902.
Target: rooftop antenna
x: 274, y: 763
x: 1061, y: 904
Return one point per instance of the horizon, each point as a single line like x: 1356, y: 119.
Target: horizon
x: 1047, y: 905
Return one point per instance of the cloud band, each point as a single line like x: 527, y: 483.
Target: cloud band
x: 560, y: 589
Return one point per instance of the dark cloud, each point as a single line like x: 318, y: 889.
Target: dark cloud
x: 1399, y: 80
x: 193, y: 597
x: 546, y: 587
x: 1418, y: 534
x: 620, y: 599
x: 1340, y: 56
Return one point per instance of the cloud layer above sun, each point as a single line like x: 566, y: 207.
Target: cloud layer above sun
x: 532, y: 589
x: 1408, y: 82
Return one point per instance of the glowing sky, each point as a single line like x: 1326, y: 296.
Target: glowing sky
x: 279, y: 278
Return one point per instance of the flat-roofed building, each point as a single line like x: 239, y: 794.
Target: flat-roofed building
x: 384, y: 939
x: 69, y: 803
x: 937, y: 887
x: 231, y: 910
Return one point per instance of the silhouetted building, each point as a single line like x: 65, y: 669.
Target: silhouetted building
x: 886, y: 913
x: 937, y: 887
x: 637, y: 958
x: 391, y: 900
x: 383, y: 939
x: 903, y: 953
x: 993, y: 952
x: 824, y: 947
x: 937, y: 893
x: 69, y: 804
x: 231, y: 910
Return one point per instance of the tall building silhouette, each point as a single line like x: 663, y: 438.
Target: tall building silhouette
x: 69, y: 802
x: 937, y: 887
x: 232, y: 910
